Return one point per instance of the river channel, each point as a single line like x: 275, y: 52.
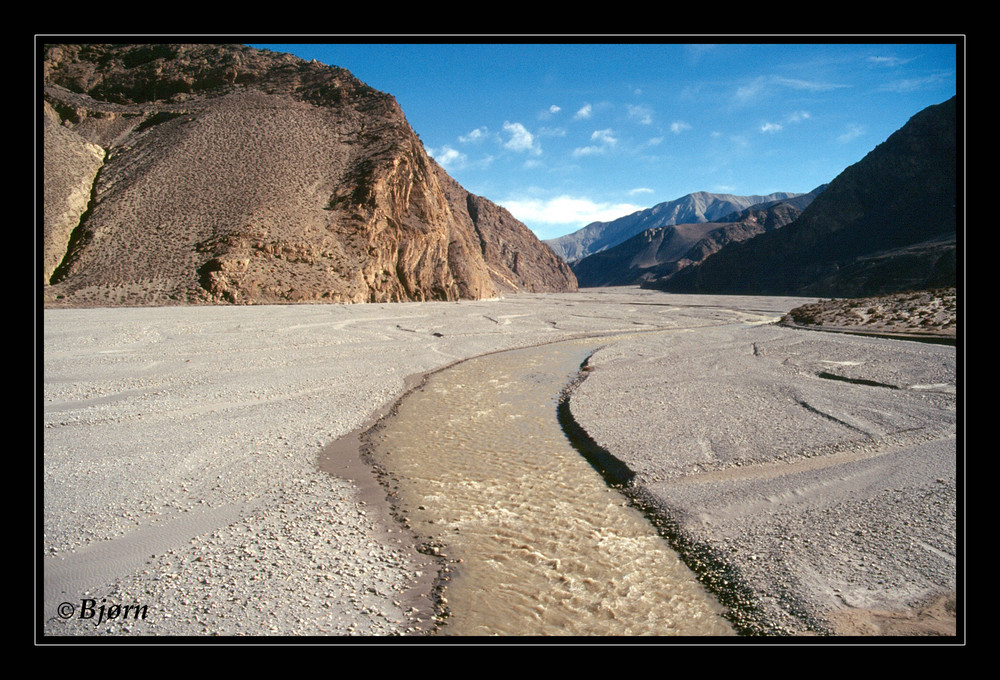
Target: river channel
x: 531, y: 539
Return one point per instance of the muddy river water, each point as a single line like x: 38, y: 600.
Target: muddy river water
x: 535, y: 541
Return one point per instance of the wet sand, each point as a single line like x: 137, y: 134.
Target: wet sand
x: 181, y: 450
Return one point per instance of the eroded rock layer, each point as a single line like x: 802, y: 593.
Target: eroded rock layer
x: 186, y: 174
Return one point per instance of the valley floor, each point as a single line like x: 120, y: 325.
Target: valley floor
x: 181, y: 451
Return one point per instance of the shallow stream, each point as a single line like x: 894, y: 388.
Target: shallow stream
x: 532, y: 539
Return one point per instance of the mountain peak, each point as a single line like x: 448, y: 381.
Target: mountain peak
x: 697, y: 207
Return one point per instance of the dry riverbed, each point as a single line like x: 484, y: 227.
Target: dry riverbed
x: 181, y: 451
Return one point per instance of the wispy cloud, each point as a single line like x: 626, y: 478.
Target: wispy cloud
x: 915, y: 84
x: 551, y: 132
x: 888, y: 61
x: 810, y: 85
x: 696, y: 52
x: 640, y: 190
x: 585, y: 111
x: 770, y: 127
x: 751, y: 91
x: 640, y: 113
x: 603, y: 140
x: 762, y: 86
x: 853, y: 132
x: 679, y: 126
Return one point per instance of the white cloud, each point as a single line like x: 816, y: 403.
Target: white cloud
x: 679, y: 126
x: 520, y: 139
x: 585, y: 112
x: 476, y: 135
x: 770, y: 127
x: 604, y: 140
x: 798, y: 116
x: 640, y: 190
x: 548, y: 113
x: 567, y: 210
x: 448, y: 157
x: 605, y: 136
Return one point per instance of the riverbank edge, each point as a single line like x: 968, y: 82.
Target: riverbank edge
x: 720, y: 579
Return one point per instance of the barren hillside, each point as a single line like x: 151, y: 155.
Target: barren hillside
x: 185, y: 174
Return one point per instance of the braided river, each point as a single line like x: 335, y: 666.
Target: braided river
x: 532, y: 540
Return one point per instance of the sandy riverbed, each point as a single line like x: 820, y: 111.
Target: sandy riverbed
x: 180, y: 450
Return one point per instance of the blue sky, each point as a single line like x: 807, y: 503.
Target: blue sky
x: 566, y: 134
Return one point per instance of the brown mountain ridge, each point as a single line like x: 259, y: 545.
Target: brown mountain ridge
x: 206, y: 174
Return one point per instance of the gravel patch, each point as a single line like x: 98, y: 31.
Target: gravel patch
x: 181, y: 450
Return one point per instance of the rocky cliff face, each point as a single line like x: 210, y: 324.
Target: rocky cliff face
x: 179, y: 174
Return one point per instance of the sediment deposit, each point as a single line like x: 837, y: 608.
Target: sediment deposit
x: 181, y: 450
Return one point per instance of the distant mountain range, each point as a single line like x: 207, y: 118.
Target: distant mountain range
x: 691, y: 209
x: 660, y: 252
x: 887, y: 223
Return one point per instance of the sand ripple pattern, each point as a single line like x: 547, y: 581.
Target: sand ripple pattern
x: 545, y: 547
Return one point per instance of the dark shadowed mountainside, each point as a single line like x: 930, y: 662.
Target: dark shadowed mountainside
x: 656, y: 254
x: 185, y: 174
x: 691, y: 209
x: 887, y: 223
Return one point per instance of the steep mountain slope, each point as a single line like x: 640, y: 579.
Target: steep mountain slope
x: 663, y: 251
x: 219, y: 173
x: 691, y: 209
x: 887, y: 223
